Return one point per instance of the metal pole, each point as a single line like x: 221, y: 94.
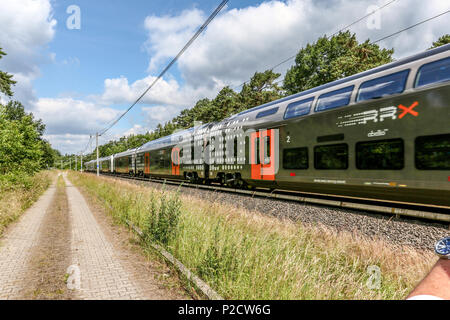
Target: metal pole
x: 96, y: 142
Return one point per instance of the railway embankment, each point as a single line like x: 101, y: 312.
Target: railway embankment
x: 245, y: 254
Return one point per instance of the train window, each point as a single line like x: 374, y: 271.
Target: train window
x: 266, y: 113
x: 295, y: 158
x: 258, y: 152
x: 298, y: 108
x: 334, y: 99
x: 383, y: 86
x: 267, y: 150
x: 331, y: 157
x: 437, y: 71
x: 380, y: 155
x: 433, y: 152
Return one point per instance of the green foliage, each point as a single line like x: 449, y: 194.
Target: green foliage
x: 5, y: 80
x: 331, y: 59
x: 20, y: 144
x: 161, y: 222
x: 441, y: 41
x: 23, y: 151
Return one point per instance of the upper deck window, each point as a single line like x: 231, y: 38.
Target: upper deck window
x: 266, y: 113
x: 383, y: 86
x: 298, y: 108
x: 334, y: 99
x: 437, y: 71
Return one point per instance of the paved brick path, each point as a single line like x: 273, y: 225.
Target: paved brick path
x: 107, y: 270
x: 102, y: 275
x: 16, y: 245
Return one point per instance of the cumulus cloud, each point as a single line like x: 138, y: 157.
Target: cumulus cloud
x: 27, y: 27
x: 168, y: 34
x: 255, y: 38
x: 70, y: 116
x: 235, y: 45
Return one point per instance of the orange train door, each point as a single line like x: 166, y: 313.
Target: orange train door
x: 176, y: 161
x: 147, y: 163
x: 262, y: 155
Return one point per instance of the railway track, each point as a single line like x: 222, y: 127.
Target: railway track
x: 398, y: 209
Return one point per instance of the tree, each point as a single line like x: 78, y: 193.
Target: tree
x: 20, y: 145
x: 261, y: 89
x: 14, y: 110
x: 441, y: 41
x: 5, y: 80
x: 331, y: 59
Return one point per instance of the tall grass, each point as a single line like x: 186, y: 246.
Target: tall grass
x: 18, y: 192
x: 247, y: 255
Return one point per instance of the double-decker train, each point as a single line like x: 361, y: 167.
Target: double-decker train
x: 380, y: 134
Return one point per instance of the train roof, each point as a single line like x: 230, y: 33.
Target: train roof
x: 387, y: 66
x: 125, y: 153
x: 177, y: 137
x: 167, y: 141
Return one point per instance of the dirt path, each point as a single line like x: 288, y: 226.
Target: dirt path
x: 51, y: 255
x: 61, y: 243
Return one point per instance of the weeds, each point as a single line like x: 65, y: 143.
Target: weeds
x: 19, y: 192
x: 247, y: 255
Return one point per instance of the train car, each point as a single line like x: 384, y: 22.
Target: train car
x: 90, y: 166
x: 162, y: 157
x: 380, y: 134
x: 125, y: 162
x: 106, y: 164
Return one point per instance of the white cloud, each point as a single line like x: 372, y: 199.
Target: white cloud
x: 235, y: 45
x: 241, y: 41
x: 136, y: 129
x: 27, y: 27
x: 167, y: 92
x: 69, y: 116
x: 167, y: 34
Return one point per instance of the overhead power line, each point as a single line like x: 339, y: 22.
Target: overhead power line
x: 400, y: 31
x: 373, y: 42
x: 410, y: 27
x: 200, y: 30
x: 340, y: 30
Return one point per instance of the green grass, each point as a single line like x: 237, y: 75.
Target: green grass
x: 19, y: 192
x: 246, y: 255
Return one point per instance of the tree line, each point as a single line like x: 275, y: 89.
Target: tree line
x: 23, y: 148
x: 326, y: 60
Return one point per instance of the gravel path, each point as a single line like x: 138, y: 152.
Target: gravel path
x: 401, y: 231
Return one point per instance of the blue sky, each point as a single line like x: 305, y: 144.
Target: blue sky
x: 77, y: 81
